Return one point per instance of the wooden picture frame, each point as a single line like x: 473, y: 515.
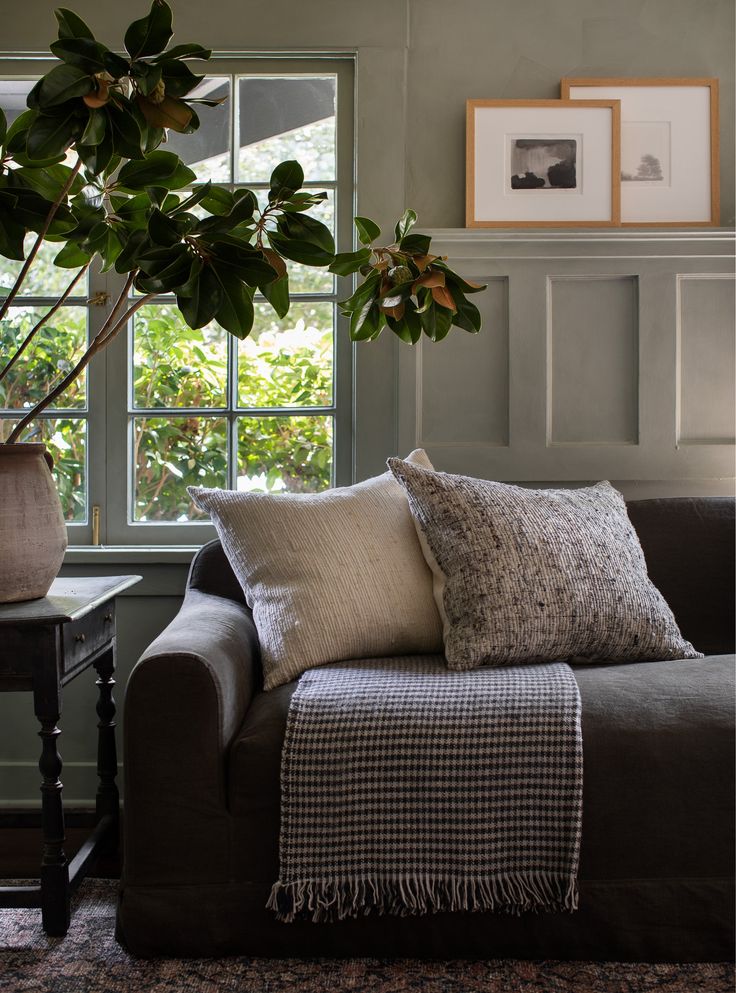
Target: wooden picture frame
x: 542, y: 163
x: 672, y: 122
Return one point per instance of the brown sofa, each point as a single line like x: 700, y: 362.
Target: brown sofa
x: 202, y: 760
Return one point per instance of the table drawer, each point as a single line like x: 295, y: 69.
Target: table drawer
x: 84, y: 637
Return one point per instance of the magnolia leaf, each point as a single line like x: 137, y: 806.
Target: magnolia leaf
x: 367, y: 229
x: 429, y: 279
x: 201, y: 305
x: 169, y: 113
x: 365, y: 322
x: 404, y: 226
x: 235, y: 312
x: 436, y: 322
x: 85, y: 53
x: 286, y: 179
x: 151, y: 34
x: 277, y: 263
x: 71, y: 25
x: 277, y: 292
x: 62, y: 83
x: 346, y: 263
x: 95, y: 130
x: 49, y: 136
x: 190, y: 51
x: 443, y: 297
x: 415, y: 244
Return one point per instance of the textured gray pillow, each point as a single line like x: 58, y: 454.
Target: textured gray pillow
x: 525, y: 575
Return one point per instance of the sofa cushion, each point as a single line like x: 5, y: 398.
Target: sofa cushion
x: 526, y: 575
x: 329, y: 576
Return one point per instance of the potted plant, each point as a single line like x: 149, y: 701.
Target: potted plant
x: 83, y: 166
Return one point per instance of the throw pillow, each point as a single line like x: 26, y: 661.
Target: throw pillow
x: 329, y: 576
x: 527, y: 575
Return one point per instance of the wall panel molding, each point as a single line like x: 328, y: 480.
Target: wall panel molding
x: 620, y: 362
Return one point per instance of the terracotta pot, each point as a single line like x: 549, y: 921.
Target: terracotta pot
x: 32, y: 532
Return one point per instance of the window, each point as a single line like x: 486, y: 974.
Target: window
x: 171, y: 407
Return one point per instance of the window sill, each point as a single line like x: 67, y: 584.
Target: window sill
x: 150, y: 554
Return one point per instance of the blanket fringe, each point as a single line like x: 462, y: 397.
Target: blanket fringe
x: 332, y: 900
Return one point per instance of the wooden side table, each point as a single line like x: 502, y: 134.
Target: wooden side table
x: 44, y: 644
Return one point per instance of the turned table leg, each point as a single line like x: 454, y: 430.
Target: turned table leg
x: 108, y: 800
x: 54, y: 866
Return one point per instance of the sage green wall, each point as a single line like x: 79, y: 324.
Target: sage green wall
x: 449, y: 52
x: 418, y: 61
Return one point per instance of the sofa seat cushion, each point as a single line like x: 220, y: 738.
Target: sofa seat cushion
x: 658, y: 747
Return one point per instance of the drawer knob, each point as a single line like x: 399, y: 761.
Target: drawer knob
x: 79, y: 637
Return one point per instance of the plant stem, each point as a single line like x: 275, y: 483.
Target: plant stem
x: 37, y: 327
x: 102, y: 339
x: 39, y: 240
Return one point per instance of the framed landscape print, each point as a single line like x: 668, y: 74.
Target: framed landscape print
x: 542, y: 163
x: 669, y: 147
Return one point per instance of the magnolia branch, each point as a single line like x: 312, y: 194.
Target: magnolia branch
x: 39, y: 240
x: 46, y: 317
x: 111, y: 328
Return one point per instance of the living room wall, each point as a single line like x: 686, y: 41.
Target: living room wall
x: 418, y: 61
x: 445, y: 54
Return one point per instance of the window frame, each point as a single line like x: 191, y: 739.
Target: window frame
x: 109, y: 411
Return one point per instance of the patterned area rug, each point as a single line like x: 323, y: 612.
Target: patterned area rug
x: 88, y: 960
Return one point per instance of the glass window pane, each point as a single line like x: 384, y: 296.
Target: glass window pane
x: 43, y: 278
x: 287, y: 117
x: 287, y: 362
x: 66, y: 440
x: 174, y: 365
x: 207, y: 150
x: 284, y: 453
x: 171, y: 453
x: 50, y: 355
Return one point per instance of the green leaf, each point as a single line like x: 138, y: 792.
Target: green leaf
x: 12, y: 236
x: 409, y: 328
x: 147, y: 78
x: 299, y: 251
x: 367, y: 290
x: 302, y: 228
x: 162, y: 230
x: 245, y: 261
x: 135, y: 244
x: 127, y: 138
x: 200, y: 194
x: 71, y: 25
x: 62, y: 83
x: 164, y: 169
x: 436, y: 322
x: 397, y: 294
x: 96, y: 127
x: 201, y: 306
x: 235, y: 312
x: 116, y: 65
x: 190, y: 51
x: 467, y: 315
x: 286, y: 179
x: 49, y: 136
x: 365, y: 322
x: 404, y: 226
x: 346, y: 263
x: 277, y: 294
x: 453, y: 278
x: 415, y: 244
x: 17, y: 131
x: 368, y: 230
x: 71, y: 257
x: 50, y: 181
x: 110, y: 249
x: 179, y: 78
x: 218, y: 201
x: 303, y: 201
x: 84, y: 53
x: 98, y: 157
x: 3, y: 126
x: 151, y: 34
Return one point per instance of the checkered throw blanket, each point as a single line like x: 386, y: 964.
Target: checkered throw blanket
x: 407, y: 788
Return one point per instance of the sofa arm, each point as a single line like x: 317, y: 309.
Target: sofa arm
x: 185, y: 700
